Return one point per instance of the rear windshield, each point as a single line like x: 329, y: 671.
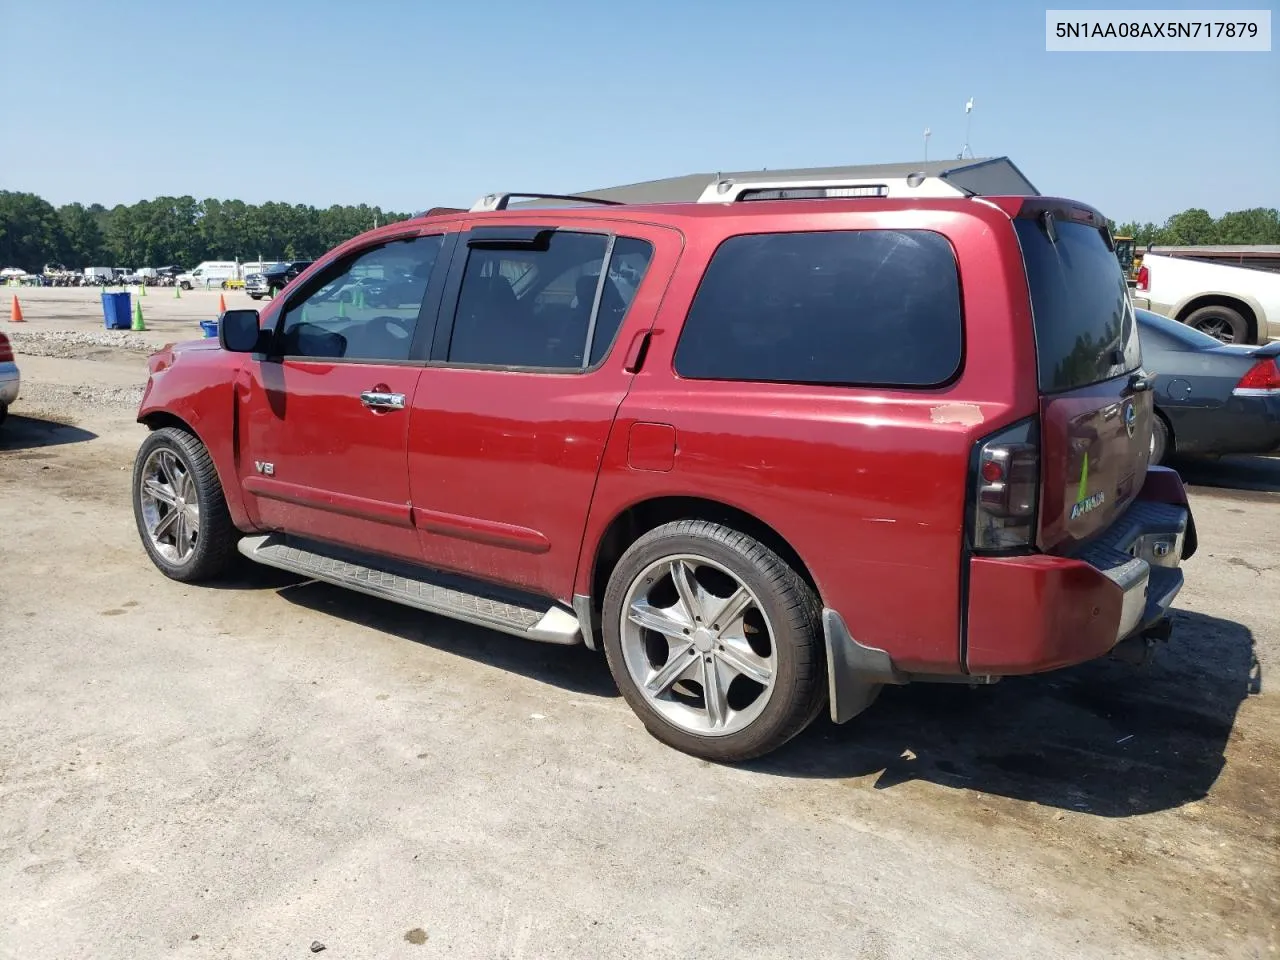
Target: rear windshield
x: 1084, y: 323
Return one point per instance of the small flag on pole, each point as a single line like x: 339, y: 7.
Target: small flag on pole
x: 968, y: 107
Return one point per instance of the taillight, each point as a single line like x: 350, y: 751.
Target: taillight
x: 1144, y: 278
x: 1262, y: 380
x: 1006, y: 488
x: 6, y: 349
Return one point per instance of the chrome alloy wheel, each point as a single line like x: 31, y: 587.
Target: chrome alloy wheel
x: 170, y: 505
x: 698, y: 645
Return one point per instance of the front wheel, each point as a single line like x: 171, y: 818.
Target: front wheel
x: 180, y: 509
x: 714, y: 641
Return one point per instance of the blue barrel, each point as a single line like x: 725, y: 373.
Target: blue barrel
x: 117, y: 311
x: 210, y: 327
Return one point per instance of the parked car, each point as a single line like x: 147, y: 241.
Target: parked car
x: 1233, y: 303
x: 1210, y: 398
x: 10, y: 377
x: 769, y: 455
x: 273, y: 279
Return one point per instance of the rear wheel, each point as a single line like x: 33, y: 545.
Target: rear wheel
x: 714, y: 641
x: 180, y: 509
x: 1159, y: 440
x: 1221, y: 323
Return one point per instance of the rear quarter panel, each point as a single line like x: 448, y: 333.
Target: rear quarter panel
x: 868, y: 485
x: 1194, y: 390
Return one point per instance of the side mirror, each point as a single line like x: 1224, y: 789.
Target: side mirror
x: 238, y: 331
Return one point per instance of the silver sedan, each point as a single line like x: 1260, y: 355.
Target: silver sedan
x: 10, y: 378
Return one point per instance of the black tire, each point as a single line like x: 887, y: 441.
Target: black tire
x: 1220, y: 323
x: 215, y: 545
x: 793, y: 610
x: 4, y: 412
x: 1159, y: 440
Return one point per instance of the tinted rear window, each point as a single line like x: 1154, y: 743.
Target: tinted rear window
x: 874, y: 307
x: 1084, y: 323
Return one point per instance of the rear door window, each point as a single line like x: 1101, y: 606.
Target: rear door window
x: 848, y: 307
x: 1084, y: 322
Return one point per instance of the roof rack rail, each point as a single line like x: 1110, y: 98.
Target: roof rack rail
x: 499, y: 201
x: 910, y: 186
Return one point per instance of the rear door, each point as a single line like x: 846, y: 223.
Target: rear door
x: 1096, y: 403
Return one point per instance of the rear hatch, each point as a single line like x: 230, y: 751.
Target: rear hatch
x: 1096, y: 404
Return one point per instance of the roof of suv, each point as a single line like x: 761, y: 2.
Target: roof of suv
x: 673, y: 213
x: 682, y: 213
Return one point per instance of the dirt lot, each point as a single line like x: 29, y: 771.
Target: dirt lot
x: 241, y: 771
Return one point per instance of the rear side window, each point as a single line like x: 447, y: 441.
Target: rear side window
x: 870, y: 307
x: 1084, y: 323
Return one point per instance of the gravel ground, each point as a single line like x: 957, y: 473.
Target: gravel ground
x: 246, y: 769
x: 70, y: 344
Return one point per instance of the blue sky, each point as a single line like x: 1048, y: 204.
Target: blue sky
x: 418, y: 103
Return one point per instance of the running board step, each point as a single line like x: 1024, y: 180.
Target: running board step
x: 448, y: 596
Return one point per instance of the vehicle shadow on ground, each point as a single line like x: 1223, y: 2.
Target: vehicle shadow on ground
x: 1261, y: 474
x: 1104, y: 738
x: 29, y: 433
x: 572, y: 668
x: 245, y: 574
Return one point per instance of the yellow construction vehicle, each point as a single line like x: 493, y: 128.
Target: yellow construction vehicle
x: 1129, y: 259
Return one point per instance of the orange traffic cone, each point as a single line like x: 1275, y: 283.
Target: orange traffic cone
x: 15, y: 311
x: 222, y: 304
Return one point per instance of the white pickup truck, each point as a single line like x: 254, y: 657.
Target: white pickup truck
x: 1234, y: 302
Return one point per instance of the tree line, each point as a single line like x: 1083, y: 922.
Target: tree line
x: 180, y: 231
x: 1195, y: 227
x: 183, y: 231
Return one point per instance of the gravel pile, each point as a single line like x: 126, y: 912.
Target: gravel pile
x: 58, y: 396
x: 72, y: 343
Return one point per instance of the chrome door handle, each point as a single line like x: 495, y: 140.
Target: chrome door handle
x: 377, y: 400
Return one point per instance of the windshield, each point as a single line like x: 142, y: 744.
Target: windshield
x: 1084, y: 323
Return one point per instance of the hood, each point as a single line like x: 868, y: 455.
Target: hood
x: 167, y: 355
x: 203, y: 343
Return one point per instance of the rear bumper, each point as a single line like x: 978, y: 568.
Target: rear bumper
x: 1036, y: 613
x: 1029, y: 614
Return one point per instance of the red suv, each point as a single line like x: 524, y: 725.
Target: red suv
x: 768, y: 454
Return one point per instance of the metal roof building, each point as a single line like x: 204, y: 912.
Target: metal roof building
x: 990, y: 176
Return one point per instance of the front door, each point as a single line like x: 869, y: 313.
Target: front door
x: 528, y: 370
x: 325, y: 425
